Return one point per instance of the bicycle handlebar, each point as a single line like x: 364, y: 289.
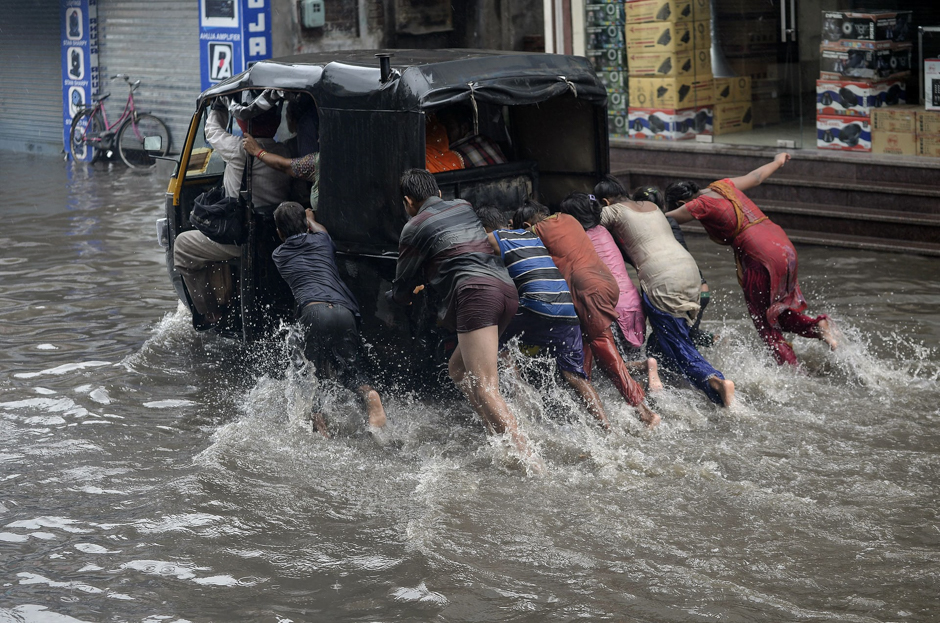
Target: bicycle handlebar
x: 127, y: 79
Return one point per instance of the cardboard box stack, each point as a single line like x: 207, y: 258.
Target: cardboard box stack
x: 750, y: 34
x: 668, y: 47
x: 865, y: 60
x: 604, y: 24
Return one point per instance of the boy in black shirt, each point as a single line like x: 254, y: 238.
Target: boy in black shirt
x: 326, y: 307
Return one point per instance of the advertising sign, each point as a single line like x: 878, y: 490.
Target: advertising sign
x: 79, y: 61
x: 233, y: 35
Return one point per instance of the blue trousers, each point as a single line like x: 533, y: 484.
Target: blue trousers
x: 670, y: 342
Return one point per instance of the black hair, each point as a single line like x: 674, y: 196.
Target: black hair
x: 653, y: 194
x: 290, y: 219
x: 418, y: 185
x: 680, y: 191
x: 610, y: 188
x: 491, y: 217
x: 529, y: 209
x: 584, y: 208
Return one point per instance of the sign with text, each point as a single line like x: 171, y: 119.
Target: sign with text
x: 233, y: 35
x: 79, y: 62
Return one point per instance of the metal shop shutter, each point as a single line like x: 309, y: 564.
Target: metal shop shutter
x: 31, y: 118
x: 156, y: 42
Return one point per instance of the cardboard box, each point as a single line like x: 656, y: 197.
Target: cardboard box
x: 608, y: 59
x: 668, y: 36
x: 836, y: 62
x: 664, y: 124
x: 733, y: 89
x: 696, y: 63
x: 928, y: 145
x: 932, y: 83
x: 613, y: 80
x: 617, y: 124
x: 604, y: 14
x: 901, y: 119
x: 867, y: 26
x: 617, y: 101
x: 733, y: 117
x: 853, y: 98
x: 604, y: 37
x: 671, y: 93
x: 893, y: 143
x: 646, y: 11
x: 844, y: 133
x: 928, y: 122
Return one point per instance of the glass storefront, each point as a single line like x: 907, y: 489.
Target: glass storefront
x: 775, y: 73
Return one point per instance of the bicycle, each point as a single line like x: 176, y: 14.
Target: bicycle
x: 90, y: 130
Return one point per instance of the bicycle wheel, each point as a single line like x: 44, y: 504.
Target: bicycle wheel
x: 84, y: 135
x: 130, y: 140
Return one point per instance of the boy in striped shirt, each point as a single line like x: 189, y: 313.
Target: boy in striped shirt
x: 546, y: 317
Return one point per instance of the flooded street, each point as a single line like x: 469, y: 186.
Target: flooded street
x: 152, y: 473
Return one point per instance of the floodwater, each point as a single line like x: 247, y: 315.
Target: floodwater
x: 151, y: 473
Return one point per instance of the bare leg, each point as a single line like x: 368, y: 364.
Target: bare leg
x: 373, y: 403
x: 474, y: 369
x: 589, y: 396
x: 652, y: 371
x: 725, y: 389
x: 827, y: 333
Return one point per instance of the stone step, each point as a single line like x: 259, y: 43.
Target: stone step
x: 902, y: 226
x: 831, y: 167
x: 847, y: 241
x: 788, y: 188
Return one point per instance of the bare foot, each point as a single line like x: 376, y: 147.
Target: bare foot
x: 374, y: 409
x: 725, y: 389
x: 319, y: 423
x: 827, y: 333
x: 647, y: 416
x: 652, y: 371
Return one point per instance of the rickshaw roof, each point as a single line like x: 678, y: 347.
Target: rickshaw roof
x: 421, y: 79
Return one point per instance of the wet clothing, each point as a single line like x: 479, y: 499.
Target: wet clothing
x: 672, y: 346
x: 546, y: 318
x: 542, y: 289
x: 630, y: 317
x: 331, y: 343
x: 594, y: 292
x: 326, y: 308
x: 484, y: 302
x: 478, y: 151
x: 199, y: 261
x: 670, y: 286
x: 561, y: 340
x: 308, y: 168
x: 667, y: 272
x: 759, y: 246
x: 445, y: 246
x: 307, y: 262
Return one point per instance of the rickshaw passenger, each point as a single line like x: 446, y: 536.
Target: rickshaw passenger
x: 445, y: 246
x: 326, y: 308
x: 196, y: 257
x: 302, y: 118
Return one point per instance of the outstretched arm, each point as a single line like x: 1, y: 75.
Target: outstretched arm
x: 682, y: 215
x: 312, y: 225
x: 274, y: 161
x: 755, y: 177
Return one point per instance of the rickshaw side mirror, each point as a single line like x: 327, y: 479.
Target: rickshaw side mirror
x: 153, y: 143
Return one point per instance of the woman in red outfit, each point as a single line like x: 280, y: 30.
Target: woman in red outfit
x: 766, y: 259
x: 594, y: 292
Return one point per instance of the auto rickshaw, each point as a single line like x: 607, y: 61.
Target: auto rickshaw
x: 546, y: 111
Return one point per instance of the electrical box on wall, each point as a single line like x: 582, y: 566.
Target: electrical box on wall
x: 312, y: 13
